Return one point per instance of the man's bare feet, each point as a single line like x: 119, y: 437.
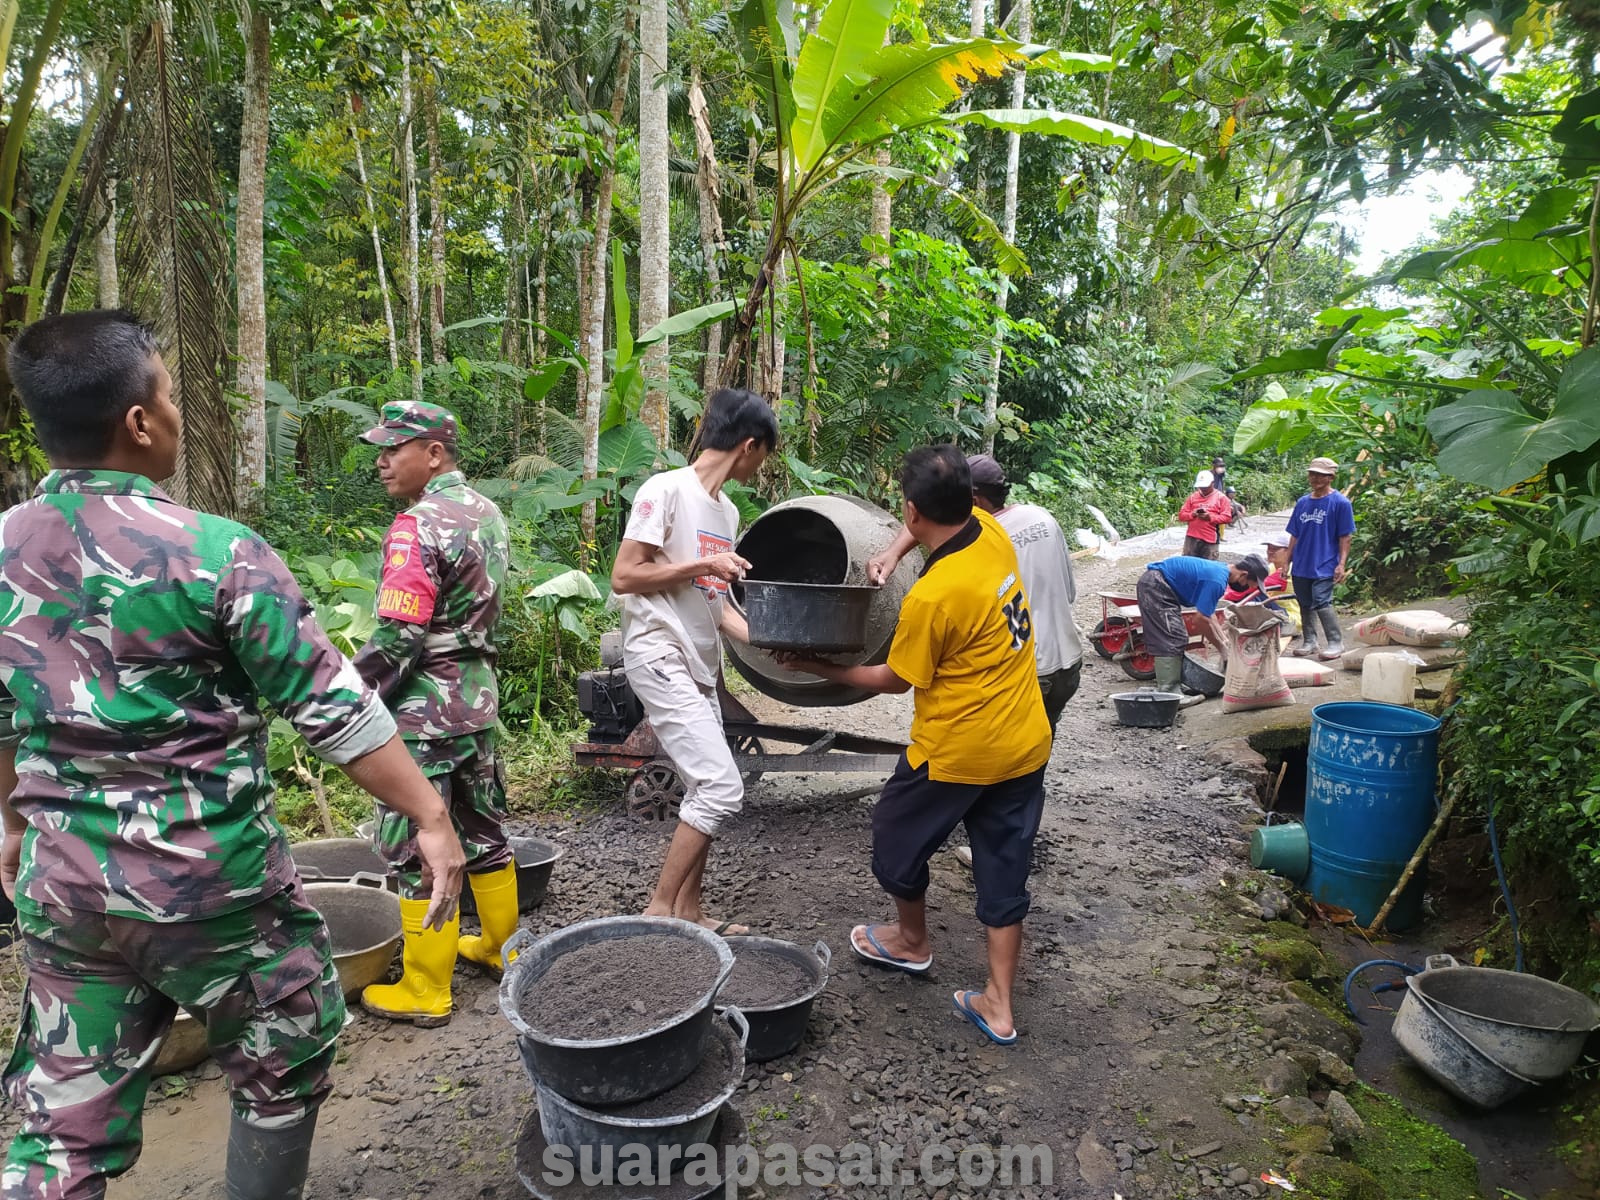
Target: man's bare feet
x: 725, y: 928
x: 887, y: 946
x: 986, y: 1013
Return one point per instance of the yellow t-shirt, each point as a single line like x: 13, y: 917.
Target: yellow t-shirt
x: 964, y: 641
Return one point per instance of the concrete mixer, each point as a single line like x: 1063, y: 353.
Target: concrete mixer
x: 824, y: 540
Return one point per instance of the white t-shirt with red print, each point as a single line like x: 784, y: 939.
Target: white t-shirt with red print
x: 674, y: 512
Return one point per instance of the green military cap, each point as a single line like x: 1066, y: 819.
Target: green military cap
x: 405, y: 420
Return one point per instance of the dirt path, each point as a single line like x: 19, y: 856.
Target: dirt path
x: 1150, y: 1032
x: 1132, y: 1010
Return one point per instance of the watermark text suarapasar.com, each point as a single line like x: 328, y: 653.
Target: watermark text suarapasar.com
x: 779, y: 1164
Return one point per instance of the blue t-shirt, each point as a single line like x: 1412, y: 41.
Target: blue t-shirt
x: 1198, y: 582
x: 1318, y: 525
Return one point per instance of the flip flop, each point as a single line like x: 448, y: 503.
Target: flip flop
x: 883, y: 958
x: 722, y: 927
x: 959, y: 999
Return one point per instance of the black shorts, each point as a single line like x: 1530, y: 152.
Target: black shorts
x: 1057, y: 688
x: 915, y: 815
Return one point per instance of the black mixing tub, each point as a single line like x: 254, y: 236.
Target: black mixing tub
x: 821, y: 618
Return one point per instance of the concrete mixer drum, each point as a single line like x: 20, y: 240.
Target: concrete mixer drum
x: 812, y: 539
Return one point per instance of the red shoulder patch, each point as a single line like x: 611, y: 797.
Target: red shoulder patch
x: 406, y: 592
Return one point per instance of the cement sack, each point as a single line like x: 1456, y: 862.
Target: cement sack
x: 1423, y: 627
x: 1431, y: 658
x: 1374, y: 631
x: 1253, y: 678
x: 1304, y: 672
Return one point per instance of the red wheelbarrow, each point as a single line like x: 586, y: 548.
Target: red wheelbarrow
x: 1120, y: 634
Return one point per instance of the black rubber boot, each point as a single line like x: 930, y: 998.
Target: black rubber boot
x: 1332, y: 637
x: 268, y: 1164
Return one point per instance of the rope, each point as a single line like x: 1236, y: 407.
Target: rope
x: 1350, y: 1004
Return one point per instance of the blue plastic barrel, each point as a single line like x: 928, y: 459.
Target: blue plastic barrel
x: 1369, y: 803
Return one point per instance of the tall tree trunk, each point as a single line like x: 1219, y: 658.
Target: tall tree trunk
x: 377, y: 239
x: 413, y: 254
x: 514, y: 233
x: 107, y: 293
x: 654, y: 211
x: 250, y: 262
x: 711, y: 234
x: 599, y: 266
x: 1008, y: 226
x: 777, y: 339
x: 436, y: 244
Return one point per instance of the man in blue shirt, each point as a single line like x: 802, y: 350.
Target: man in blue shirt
x: 1168, y: 587
x: 1319, y: 532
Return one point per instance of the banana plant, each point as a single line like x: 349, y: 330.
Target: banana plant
x: 833, y: 99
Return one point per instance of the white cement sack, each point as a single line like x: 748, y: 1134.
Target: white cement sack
x: 1423, y: 627
x: 1374, y: 631
x: 1253, y: 678
x: 1305, y: 672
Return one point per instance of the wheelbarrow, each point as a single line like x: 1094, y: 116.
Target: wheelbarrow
x: 1119, y: 636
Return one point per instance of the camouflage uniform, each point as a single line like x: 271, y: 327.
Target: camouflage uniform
x: 432, y: 657
x: 138, y: 642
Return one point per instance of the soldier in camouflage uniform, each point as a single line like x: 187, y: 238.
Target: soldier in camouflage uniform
x: 432, y: 661
x: 139, y: 642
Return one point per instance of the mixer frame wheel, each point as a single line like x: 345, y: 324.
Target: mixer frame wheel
x: 655, y: 791
x: 745, y: 746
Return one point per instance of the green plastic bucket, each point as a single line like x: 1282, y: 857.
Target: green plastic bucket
x: 1282, y: 849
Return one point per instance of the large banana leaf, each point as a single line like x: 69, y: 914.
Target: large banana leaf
x: 766, y: 29
x: 905, y: 86
x: 1491, y: 438
x: 690, y: 320
x: 1080, y: 128
x: 850, y: 33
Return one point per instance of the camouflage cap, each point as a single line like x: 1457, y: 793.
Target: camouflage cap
x: 406, y: 420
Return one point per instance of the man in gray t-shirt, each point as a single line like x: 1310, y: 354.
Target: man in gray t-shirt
x: 1046, y: 566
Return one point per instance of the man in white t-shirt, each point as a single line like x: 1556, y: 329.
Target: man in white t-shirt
x: 672, y: 573
x: 1046, y: 566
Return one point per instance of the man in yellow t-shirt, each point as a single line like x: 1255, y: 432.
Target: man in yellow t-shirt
x: 979, y: 738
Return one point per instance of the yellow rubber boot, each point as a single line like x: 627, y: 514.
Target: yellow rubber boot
x: 496, y: 895
x: 423, y: 994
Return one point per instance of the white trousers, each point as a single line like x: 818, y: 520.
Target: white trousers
x: 688, y: 724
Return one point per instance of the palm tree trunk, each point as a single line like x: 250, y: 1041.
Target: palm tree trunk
x: 654, y: 210
x: 377, y: 240
x: 436, y: 240
x: 107, y: 293
x: 413, y: 255
x: 711, y: 235
x: 1008, y: 226
x: 599, y: 265
x: 250, y: 262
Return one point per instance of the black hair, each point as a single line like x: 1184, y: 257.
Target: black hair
x: 1254, y: 566
x: 936, y: 479
x: 734, y: 415
x: 995, y: 493
x: 78, y: 374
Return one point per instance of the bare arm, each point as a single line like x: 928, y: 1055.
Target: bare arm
x: 734, y: 624
x: 1344, y: 553
x: 639, y: 571
x: 390, y: 774
x: 11, y: 852
x: 1288, y: 563
x: 867, y: 679
x: 880, y: 566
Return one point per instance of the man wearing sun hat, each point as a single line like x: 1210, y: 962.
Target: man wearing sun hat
x: 1320, y: 529
x: 1206, y: 510
x: 432, y: 660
